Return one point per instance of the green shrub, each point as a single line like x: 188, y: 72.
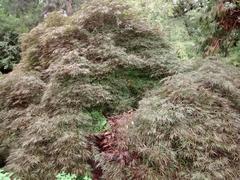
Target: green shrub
x: 68, y: 176
x: 160, y: 13
x: 86, y: 178
x: 99, y: 121
x: 14, y: 21
x: 9, y: 51
x: 9, y: 45
x: 5, y: 175
x: 61, y: 176
x: 235, y: 55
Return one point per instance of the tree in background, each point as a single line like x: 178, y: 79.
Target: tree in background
x: 210, y: 26
x: 9, y: 51
x: 17, y: 17
x: 183, y: 6
x: 52, y: 5
x: 69, y: 6
x: 27, y: 11
x: 222, y: 22
x: 213, y: 25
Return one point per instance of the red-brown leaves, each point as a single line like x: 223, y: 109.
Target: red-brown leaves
x: 113, y: 144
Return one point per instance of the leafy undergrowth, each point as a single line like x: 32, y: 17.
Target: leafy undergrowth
x: 99, y: 121
x: 5, y: 175
x: 9, y: 50
x: 61, y: 176
x: 68, y: 176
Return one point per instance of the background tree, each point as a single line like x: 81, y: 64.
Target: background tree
x: 69, y: 8
x: 17, y: 17
x: 221, y: 20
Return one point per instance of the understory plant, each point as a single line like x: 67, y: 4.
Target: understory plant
x: 5, y: 175
x: 68, y: 176
x: 99, y: 121
x: 9, y: 51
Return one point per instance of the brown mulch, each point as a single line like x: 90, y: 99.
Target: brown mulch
x: 112, y: 143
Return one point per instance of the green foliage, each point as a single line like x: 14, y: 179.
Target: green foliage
x: 183, y: 6
x: 19, y: 16
x: 182, y: 41
x: 196, y: 24
x: 16, y: 17
x: 61, y: 176
x: 10, y: 23
x: 99, y: 121
x: 9, y: 51
x: 5, y: 175
x: 154, y: 11
x: 9, y: 46
x: 86, y: 178
x: 235, y: 55
x: 162, y: 14
x: 220, y: 27
x: 10, y: 28
x: 68, y: 176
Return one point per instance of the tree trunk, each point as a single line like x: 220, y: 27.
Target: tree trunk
x: 49, y: 6
x: 69, y: 8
